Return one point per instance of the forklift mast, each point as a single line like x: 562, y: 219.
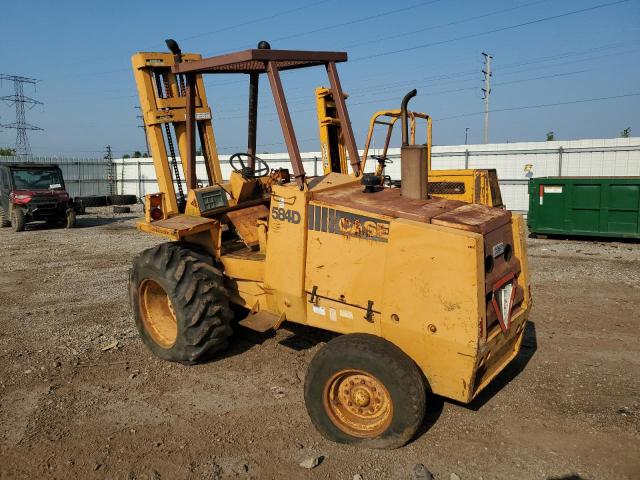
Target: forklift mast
x: 163, y: 100
x: 334, y: 153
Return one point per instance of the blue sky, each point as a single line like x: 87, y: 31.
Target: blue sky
x: 80, y: 50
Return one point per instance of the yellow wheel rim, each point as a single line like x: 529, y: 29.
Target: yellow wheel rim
x: 358, y: 403
x: 157, y: 313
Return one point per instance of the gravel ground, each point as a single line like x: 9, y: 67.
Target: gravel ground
x: 76, y: 404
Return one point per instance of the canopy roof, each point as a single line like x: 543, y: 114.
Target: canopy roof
x: 256, y: 60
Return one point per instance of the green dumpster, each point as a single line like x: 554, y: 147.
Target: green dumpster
x: 595, y: 206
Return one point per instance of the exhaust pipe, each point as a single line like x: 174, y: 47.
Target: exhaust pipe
x: 403, y: 116
x: 413, y: 158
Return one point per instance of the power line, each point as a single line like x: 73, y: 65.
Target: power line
x: 395, y: 98
x: 362, y: 90
x: 443, y: 25
x: 233, y: 82
x: 564, y: 55
x: 357, y: 20
x: 256, y: 20
x: 456, y: 90
x: 287, y: 37
x: 367, y: 92
x: 211, y: 32
x: 525, y: 107
x: 508, y: 109
x: 495, y: 30
x: 543, y: 105
x: 344, y: 24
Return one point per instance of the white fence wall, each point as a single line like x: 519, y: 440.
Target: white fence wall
x: 593, y: 157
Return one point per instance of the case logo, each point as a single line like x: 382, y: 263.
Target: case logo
x: 329, y: 220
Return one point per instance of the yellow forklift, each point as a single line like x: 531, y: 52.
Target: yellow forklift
x: 429, y: 295
x: 468, y: 185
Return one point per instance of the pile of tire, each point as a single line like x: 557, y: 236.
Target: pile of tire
x: 122, y: 200
x: 81, y: 203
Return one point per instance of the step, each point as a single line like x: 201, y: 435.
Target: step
x: 261, y: 321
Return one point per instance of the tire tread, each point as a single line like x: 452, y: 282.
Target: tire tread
x: 404, y: 370
x: 200, y: 301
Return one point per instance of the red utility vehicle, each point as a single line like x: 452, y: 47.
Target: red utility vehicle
x: 31, y: 192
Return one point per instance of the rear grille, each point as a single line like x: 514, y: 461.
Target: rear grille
x: 446, y: 188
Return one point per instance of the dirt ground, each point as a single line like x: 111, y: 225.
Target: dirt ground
x: 72, y: 407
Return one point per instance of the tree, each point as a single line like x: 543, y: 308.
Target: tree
x: 550, y: 136
x: 626, y: 133
x: 7, y: 152
x: 126, y: 155
x: 137, y: 154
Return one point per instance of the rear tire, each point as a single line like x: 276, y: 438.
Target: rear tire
x: 179, y: 302
x: 363, y: 390
x: 4, y: 219
x: 17, y: 219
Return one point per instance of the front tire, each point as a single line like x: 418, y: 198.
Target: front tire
x: 4, y: 219
x: 363, y: 390
x: 17, y: 219
x: 180, y: 305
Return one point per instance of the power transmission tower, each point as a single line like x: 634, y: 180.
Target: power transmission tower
x: 18, y: 99
x: 144, y: 127
x: 486, y: 91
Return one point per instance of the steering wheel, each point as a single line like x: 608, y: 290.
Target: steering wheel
x: 382, y: 159
x: 261, y: 168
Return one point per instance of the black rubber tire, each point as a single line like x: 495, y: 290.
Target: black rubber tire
x: 122, y: 199
x: 119, y: 209
x: 4, y: 219
x: 390, y: 365
x: 93, y: 201
x: 79, y: 207
x: 198, y: 297
x: 17, y: 219
x: 70, y: 219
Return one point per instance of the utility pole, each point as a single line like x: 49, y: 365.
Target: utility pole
x: 108, y: 156
x: 18, y: 99
x: 466, y: 135
x: 144, y: 128
x: 486, y: 91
